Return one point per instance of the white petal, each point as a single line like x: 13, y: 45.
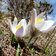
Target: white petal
x: 48, y: 24
x: 39, y: 25
x: 41, y: 15
x: 11, y: 26
x: 15, y: 21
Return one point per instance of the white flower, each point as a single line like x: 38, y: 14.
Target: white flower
x: 41, y: 24
x: 20, y: 29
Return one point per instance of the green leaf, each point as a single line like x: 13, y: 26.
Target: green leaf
x: 46, y: 50
x: 1, y: 32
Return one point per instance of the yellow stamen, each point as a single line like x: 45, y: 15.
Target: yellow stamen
x: 18, y: 26
x: 38, y: 20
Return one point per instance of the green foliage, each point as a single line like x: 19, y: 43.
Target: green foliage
x: 13, y: 38
x: 1, y: 32
x: 2, y: 15
x: 49, y: 52
x: 18, y: 51
x: 46, y: 50
x: 14, y: 42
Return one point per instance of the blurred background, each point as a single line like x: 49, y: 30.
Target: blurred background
x: 44, y: 42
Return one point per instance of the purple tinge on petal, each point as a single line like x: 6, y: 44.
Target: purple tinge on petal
x: 19, y: 32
